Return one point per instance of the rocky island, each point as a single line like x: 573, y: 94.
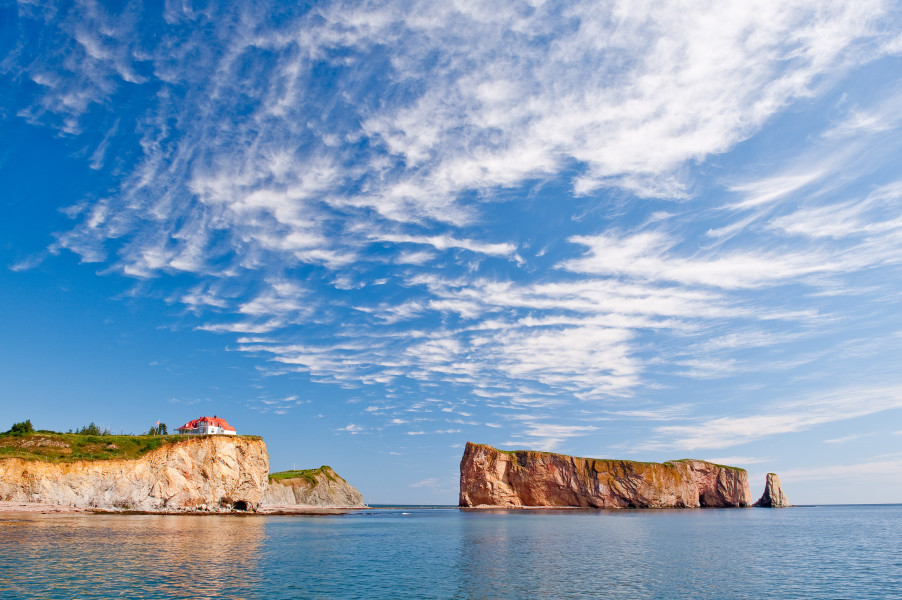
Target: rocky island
x: 518, y: 479
x: 205, y: 473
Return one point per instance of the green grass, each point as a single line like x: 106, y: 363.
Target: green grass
x: 636, y: 462
x: 70, y: 447
x: 308, y: 475
x: 708, y: 461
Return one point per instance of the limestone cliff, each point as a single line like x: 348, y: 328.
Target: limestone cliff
x: 491, y: 477
x: 316, y: 487
x: 773, y: 496
x: 197, y: 473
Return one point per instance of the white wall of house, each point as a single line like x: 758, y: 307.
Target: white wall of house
x: 207, y: 430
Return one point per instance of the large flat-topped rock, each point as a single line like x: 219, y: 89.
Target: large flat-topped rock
x: 494, y: 478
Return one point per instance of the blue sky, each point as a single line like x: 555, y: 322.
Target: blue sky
x: 373, y: 231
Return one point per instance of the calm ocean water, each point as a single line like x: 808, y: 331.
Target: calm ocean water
x: 852, y: 552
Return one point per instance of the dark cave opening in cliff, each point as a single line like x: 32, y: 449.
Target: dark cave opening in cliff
x: 239, y: 505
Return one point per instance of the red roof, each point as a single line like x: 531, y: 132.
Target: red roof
x: 210, y: 420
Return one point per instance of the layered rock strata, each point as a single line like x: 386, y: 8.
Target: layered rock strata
x: 773, y: 496
x: 199, y: 473
x: 495, y: 478
x: 324, y: 487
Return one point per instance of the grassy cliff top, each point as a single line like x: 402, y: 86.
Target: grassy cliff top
x: 308, y: 475
x: 620, y: 460
x: 70, y: 447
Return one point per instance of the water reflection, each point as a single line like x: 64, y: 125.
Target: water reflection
x: 753, y: 554
x: 515, y: 554
x: 585, y: 554
x: 147, y: 556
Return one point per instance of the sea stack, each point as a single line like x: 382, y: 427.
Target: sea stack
x: 518, y: 479
x: 773, y: 496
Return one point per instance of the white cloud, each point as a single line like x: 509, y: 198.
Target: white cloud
x: 242, y: 327
x: 283, y: 206
x: 875, y: 471
x: 429, y: 482
x: 847, y: 438
x: 667, y: 413
x: 874, y: 215
x: 652, y: 256
x: 483, y: 103
x: 548, y: 436
x: 443, y: 242
x: 789, y: 417
x: 28, y: 263
x: 769, y: 190
x: 740, y: 340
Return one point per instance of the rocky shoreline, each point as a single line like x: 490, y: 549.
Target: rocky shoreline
x: 264, y: 510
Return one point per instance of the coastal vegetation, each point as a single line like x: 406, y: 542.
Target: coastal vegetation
x: 91, y: 429
x: 613, y: 460
x: 158, y: 429
x: 68, y: 447
x: 311, y: 487
x: 309, y: 475
x: 21, y: 428
x: 90, y: 442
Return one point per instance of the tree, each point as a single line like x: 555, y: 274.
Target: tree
x: 93, y: 429
x: 21, y: 428
x: 158, y: 429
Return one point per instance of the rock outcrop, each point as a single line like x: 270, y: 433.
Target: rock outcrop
x: 495, y: 478
x: 199, y: 473
x: 773, y: 496
x: 322, y: 487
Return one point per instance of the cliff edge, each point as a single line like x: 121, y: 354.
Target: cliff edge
x: 321, y: 487
x: 494, y: 478
x: 773, y: 496
x: 197, y: 473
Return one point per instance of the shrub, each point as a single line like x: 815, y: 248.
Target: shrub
x: 93, y: 429
x: 21, y: 428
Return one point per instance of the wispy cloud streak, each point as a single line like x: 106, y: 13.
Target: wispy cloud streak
x: 351, y: 190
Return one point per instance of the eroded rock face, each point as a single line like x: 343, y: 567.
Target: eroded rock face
x: 203, y: 473
x: 493, y: 478
x: 773, y: 496
x: 328, y: 490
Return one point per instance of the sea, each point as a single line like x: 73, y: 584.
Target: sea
x: 835, y: 552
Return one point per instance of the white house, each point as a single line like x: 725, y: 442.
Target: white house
x: 206, y: 426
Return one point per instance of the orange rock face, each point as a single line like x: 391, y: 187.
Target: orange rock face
x: 773, y: 496
x: 203, y: 473
x: 495, y: 478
